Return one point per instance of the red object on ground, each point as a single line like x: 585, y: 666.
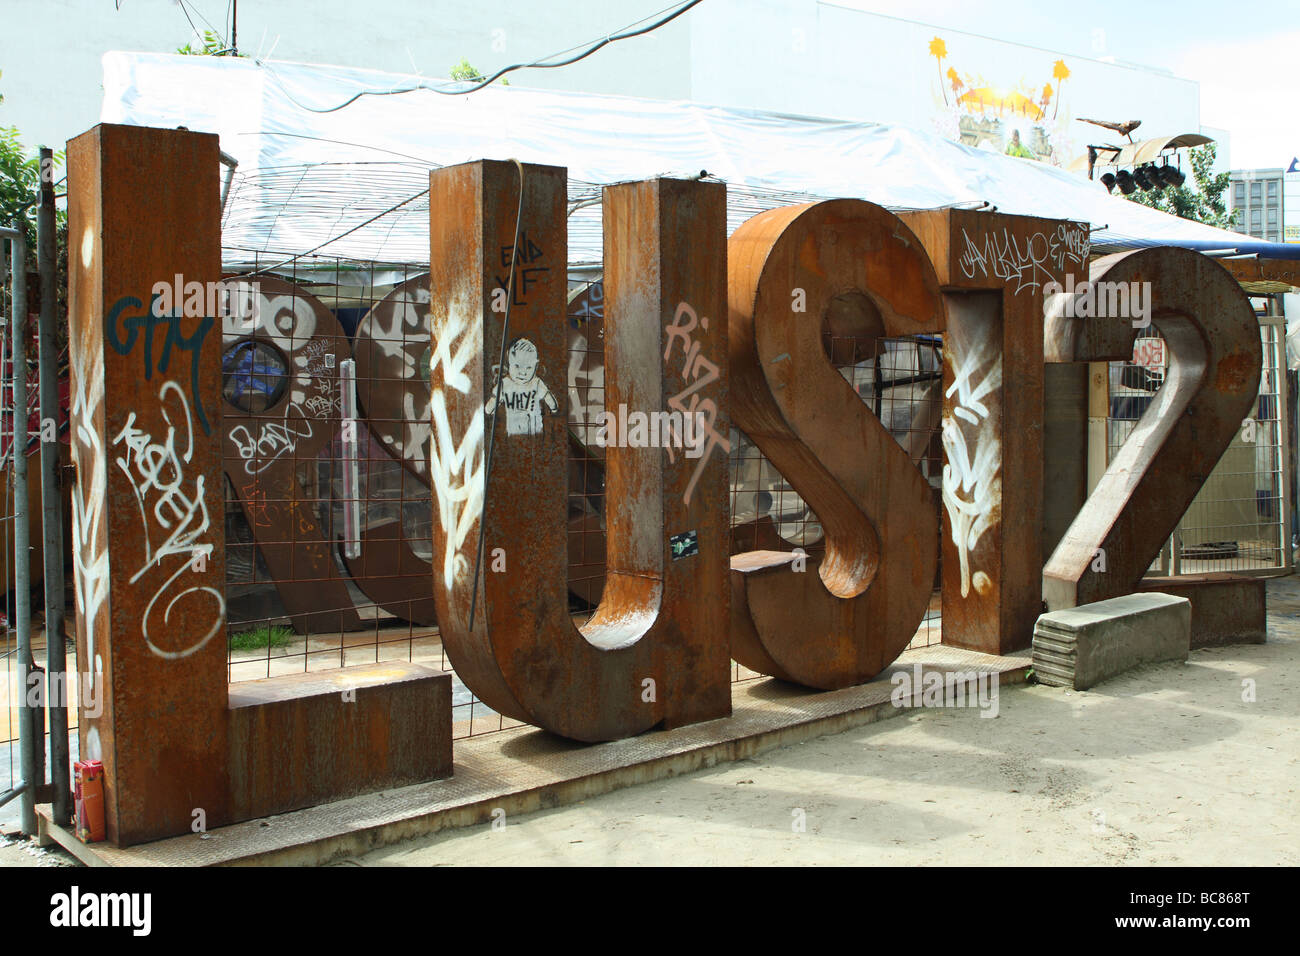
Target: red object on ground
x: 89, y: 800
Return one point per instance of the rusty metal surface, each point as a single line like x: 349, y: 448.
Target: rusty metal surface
x: 148, y: 505
x: 268, y: 449
x: 1226, y: 608
x: 853, y: 610
x: 305, y: 739
x: 993, y: 268
x: 392, y: 575
x: 392, y: 351
x: 655, y: 652
x: 148, y: 517
x: 1213, y: 380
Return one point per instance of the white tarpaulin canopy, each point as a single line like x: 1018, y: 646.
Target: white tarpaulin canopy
x: 313, y: 171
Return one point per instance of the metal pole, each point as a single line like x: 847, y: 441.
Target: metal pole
x: 230, y: 163
x: 56, y: 674
x: 22, y: 572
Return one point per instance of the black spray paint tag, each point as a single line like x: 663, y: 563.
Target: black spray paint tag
x: 684, y: 545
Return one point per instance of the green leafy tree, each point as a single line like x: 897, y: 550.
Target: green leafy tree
x: 20, y: 177
x: 20, y: 190
x: 1199, y: 199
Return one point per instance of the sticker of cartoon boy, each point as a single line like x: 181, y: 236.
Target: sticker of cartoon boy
x: 523, y: 393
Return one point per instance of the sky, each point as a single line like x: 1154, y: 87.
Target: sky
x: 1245, y: 54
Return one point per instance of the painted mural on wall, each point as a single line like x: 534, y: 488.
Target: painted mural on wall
x: 979, y: 105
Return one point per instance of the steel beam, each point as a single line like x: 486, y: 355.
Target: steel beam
x: 52, y: 498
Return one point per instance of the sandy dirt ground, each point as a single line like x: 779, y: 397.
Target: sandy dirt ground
x: 1168, y: 764
x: 1179, y: 764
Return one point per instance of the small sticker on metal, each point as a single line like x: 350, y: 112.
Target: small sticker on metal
x: 684, y: 545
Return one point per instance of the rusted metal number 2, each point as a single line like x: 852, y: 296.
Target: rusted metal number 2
x: 1213, y: 379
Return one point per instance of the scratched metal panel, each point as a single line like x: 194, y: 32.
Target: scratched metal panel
x: 149, y: 510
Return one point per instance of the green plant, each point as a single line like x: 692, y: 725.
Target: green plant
x: 213, y: 45
x: 20, y: 178
x: 268, y: 635
x: 466, y: 72
x: 1200, y: 199
x: 20, y: 191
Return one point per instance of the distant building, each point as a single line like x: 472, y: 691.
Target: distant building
x: 1291, y: 202
x: 1255, y: 198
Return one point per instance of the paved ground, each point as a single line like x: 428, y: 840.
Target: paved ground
x: 1168, y: 764
x: 15, y: 851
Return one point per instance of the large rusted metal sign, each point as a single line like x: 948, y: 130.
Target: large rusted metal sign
x: 993, y: 268
x: 1213, y: 339
x: 655, y: 652
x: 179, y: 753
x: 465, y: 377
x: 841, y: 619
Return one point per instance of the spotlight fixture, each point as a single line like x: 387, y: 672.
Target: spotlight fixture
x: 1124, y: 180
x: 1153, y: 174
x: 1108, y: 180
x: 1172, y: 175
x: 1140, y: 177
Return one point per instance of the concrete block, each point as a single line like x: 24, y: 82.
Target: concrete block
x: 1082, y: 646
x: 1226, y: 608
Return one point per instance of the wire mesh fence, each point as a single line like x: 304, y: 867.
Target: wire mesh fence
x: 1237, y: 522
x: 329, y: 525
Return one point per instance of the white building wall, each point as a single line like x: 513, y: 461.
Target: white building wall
x: 50, y: 50
x: 802, y: 56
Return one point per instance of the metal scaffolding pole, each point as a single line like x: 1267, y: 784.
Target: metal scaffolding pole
x: 56, y: 675
x: 22, y: 573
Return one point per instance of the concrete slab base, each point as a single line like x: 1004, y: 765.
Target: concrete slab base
x: 520, y: 770
x: 1082, y: 646
x: 1226, y: 608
